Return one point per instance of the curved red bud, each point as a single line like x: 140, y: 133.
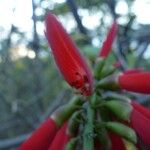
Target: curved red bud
x: 61, y: 139
x: 141, y: 124
x: 136, y: 82
x: 117, y: 142
x: 141, y: 109
x: 70, y: 62
x: 106, y: 47
x: 42, y: 137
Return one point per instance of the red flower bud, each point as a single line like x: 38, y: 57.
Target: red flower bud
x: 140, y: 122
x: 106, y: 48
x: 141, y: 109
x: 42, y: 137
x: 60, y: 139
x: 117, y: 142
x: 97, y: 145
x: 67, y: 56
x: 136, y: 82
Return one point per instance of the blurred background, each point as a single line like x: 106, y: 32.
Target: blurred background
x: 29, y: 89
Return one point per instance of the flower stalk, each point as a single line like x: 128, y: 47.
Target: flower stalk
x: 88, y: 133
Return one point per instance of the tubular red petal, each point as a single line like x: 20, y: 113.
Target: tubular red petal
x: 138, y: 146
x: 137, y: 82
x: 141, y: 124
x: 60, y: 139
x: 117, y: 142
x: 70, y: 62
x: 97, y: 145
x: 106, y: 48
x: 141, y: 109
x: 42, y: 137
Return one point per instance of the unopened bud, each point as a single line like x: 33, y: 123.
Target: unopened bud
x: 121, y: 109
x: 122, y: 130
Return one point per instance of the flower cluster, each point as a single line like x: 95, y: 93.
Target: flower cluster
x: 96, y: 119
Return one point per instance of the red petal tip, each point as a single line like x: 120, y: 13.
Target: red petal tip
x: 70, y: 62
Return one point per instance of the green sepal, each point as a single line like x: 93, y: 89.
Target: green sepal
x: 106, y: 71
x: 116, y: 96
x: 108, y: 83
x: 61, y: 114
x: 122, y: 130
x: 121, y: 109
x: 74, y: 123
x: 98, y: 67
x: 95, y: 100
x: 71, y: 145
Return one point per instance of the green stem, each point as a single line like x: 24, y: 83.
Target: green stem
x: 88, y: 142
x: 102, y: 134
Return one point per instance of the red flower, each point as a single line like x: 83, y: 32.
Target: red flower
x: 67, y: 56
x: 61, y: 139
x: 140, y: 121
x: 42, y: 137
x: 106, y: 48
x: 136, y: 82
x: 141, y: 109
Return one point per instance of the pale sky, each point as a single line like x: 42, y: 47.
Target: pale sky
x: 21, y: 16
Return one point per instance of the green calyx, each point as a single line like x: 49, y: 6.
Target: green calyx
x: 64, y: 112
x: 74, y: 122
x: 95, y: 100
x: 102, y: 69
x: 115, y: 96
x: 88, y: 133
x: 122, y: 130
x: 121, y: 109
x: 108, y: 83
x: 98, y: 67
x: 106, y: 71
